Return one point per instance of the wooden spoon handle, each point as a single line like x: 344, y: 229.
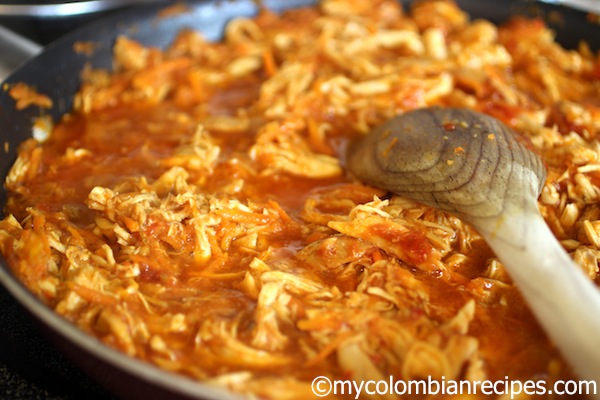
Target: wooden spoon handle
x: 565, y: 301
x: 477, y: 168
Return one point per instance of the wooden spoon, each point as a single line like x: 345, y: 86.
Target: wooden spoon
x: 476, y: 168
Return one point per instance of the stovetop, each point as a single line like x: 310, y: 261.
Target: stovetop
x: 31, y: 368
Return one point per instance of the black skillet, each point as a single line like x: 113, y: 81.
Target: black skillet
x: 55, y: 72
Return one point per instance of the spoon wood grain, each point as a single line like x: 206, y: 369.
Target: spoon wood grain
x: 475, y: 167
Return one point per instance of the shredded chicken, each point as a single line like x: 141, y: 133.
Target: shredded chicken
x: 193, y: 209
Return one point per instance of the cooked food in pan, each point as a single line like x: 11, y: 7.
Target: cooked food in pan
x: 193, y: 210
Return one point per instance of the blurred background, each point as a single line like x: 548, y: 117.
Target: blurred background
x: 44, y: 21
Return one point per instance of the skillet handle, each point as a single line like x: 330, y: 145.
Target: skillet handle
x: 15, y: 49
x: 590, y: 6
